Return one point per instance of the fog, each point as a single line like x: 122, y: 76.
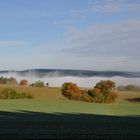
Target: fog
x: 57, y: 81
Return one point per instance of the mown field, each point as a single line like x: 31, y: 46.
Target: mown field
x: 50, y: 115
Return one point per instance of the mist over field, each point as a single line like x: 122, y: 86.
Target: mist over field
x: 81, y: 78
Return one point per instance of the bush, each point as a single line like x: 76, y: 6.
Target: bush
x: 3, y: 80
x: 9, y: 81
x: 38, y: 84
x: 103, y: 92
x: 12, y: 81
x: 111, y: 97
x: 23, y: 83
x: 86, y: 98
x: 96, y: 95
x: 70, y: 91
x: 9, y: 93
x: 94, y: 92
x: 106, y: 88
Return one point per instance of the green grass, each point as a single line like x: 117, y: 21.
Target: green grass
x: 50, y: 115
x: 65, y: 106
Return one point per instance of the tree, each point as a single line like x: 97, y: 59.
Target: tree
x: 38, y: 84
x: 23, y: 82
x: 13, y: 81
x: 8, y: 81
x: 103, y: 92
x: 106, y: 88
x: 70, y: 90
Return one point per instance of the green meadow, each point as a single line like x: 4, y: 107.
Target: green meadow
x: 51, y: 115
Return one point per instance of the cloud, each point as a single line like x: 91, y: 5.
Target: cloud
x: 109, y: 6
x: 9, y: 43
x: 113, y: 45
x: 104, y: 38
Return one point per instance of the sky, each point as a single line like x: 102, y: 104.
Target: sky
x: 70, y: 34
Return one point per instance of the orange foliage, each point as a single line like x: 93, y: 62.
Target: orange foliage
x: 97, y: 91
x: 111, y: 97
x: 103, y: 92
x: 24, y: 83
x: 70, y: 90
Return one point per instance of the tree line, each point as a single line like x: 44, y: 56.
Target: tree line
x: 24, y: 82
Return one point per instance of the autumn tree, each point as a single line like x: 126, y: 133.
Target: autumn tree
x: 70, y: 90
x: 106, y: 88
x: 23, y: 83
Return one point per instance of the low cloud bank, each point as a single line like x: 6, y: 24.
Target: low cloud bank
x: 57, y: 81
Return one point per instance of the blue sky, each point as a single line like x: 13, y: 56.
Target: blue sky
x: 70, y: 34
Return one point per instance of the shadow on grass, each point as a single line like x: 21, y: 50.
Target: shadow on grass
x: 137, y: 100
x: 37, y: 125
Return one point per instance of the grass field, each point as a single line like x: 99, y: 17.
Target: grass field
x: 50, y: 115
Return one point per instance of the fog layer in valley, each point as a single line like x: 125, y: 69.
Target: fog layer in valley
x: 57, y: 81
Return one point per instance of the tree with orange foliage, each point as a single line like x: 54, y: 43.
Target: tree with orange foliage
x: 70, y: 90
x: 23, y: 83
x: 106, y: 88
x: 103, y: 92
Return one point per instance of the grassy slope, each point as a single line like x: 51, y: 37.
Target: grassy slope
x: 50, y: 111
x: 51, y: 100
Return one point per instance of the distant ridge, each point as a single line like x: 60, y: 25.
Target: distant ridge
x: 75, y: 73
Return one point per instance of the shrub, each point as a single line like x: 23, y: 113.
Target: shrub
x: 103, y: 92
x: 86, y: 98
x: 38, y: 84
x: 106, y: 87
x: 70, y: 90
x: 3, y: 80
x: 11, y: 81
x: 9, y: 93
x: 111, y: 97
x: 23, y: 83
x: 99, y: 99
x: 94, y: 92
x: 96, y: 95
